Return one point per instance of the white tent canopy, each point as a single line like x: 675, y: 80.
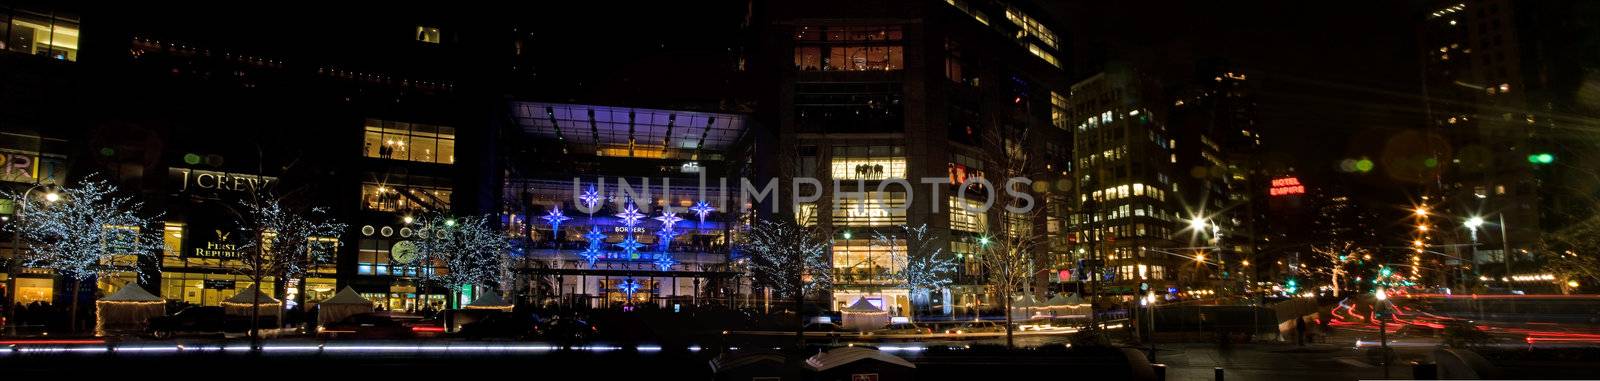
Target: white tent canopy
x: 132, y: 293
x: 240, y: 304
x: 489, y: 301
x: 842, y: 356
x: 343, y: 304
x: 248, y: 296
x: 128, y: 309
x: 862, y: 316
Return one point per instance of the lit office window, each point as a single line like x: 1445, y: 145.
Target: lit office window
x: 410, y: 141
x: 806, y: 214
x: 404, y: 198
x: 1031, y: 27
x: 1058, y: 110
x: 428, y: 34
x: 853, y: 48
x: 880, y: 209
x: 858, y: 261
x: 967, y: 220
x: 39, y: 34
x: 869, y: 163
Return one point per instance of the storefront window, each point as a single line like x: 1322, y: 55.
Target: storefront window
x: 410, y: 141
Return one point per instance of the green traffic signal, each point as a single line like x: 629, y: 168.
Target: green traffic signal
x: 1542, y: 158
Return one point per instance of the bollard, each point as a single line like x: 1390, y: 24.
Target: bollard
x: 1218, y: 372
x: 1161, y: 371
x: 1424, y: 371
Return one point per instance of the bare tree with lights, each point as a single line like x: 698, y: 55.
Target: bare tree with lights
x: 84, y: 232
x: 455, y: 252
x: 283, y: 243
x: 921, y: 262
x: 1010, y: 260
x: 1570, y: 254
x: 789, y: 259
x: 1336, y: 254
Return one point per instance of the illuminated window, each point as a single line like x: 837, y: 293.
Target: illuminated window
x: 428, y: 34
x: 1031, y: 27
x: 858, y: 261
x: 41, y: 35
x: 852, y: 212
x: 967, y: 220
x: 971, y: 11
x: 868, y: 162
x: 404, y: 198
x: 1044, y: 54
x: 852, y: 48
x: 410, y: 141
x: 806, y: 214
x: 1058, y: 110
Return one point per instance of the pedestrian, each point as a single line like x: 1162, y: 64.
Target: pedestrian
x: 1300, y: 331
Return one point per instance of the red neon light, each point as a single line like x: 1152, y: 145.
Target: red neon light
x: 51, y: 342
x: 427, y: 329
x: 1286, y: 186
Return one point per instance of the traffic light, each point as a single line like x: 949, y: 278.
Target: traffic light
x: 1541, y: 158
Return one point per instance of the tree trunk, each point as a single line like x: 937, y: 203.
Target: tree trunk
x: 72, y: 320
x: 1005, y: 305
x: 799, y: 315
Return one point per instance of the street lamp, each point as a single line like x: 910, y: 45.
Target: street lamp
x: 1472, y: 225
x: 50, y: 196
x: 1197, y: 223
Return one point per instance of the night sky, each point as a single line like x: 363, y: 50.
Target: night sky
x: 1338, y: 79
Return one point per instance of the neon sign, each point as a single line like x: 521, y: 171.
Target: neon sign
x: 1286, y: 186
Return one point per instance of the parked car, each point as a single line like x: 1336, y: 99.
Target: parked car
x: 977, y: 327
x: 568, y: 330
x: 368, y: 326
x: 189, y: 320
x: 902, y: 329
x: 502, y: 325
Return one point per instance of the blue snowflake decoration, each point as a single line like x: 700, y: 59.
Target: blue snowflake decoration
x: 628, y: 287
x: 555, y: 218
x: 590, y: 198
x: 666, y: 235
x: 591, y: 254
x: 668, y: 219
x: 664, y: 261
x: 594, y: 236
x: 630, y: 216
x: 630, y: 246
x: 701, y: 209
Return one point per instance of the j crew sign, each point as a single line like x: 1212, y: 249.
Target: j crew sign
x: 220, y: 181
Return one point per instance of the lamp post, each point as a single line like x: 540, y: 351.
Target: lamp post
x: 1472, y: 225
x: 50, y: 196
x: 1383, y: 327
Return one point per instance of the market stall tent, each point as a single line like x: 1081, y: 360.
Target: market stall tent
x: 343, y: 304
x: 1061, y: 305
x: 489, y: 301
x: 863, y: 316
x: 239, y: 304
x: 128, y: 309
x: 1023, y: 306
